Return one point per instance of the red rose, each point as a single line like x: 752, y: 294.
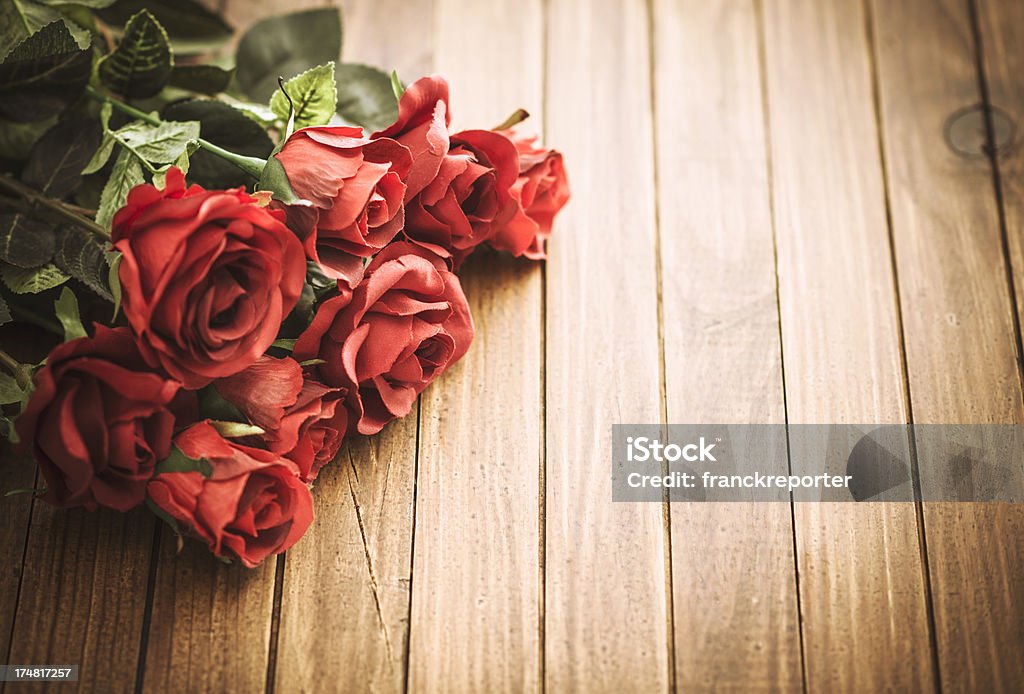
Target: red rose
x: 541, y: 190
x: 98, y: 421
x: 356, y: 187
x: 304, y: 420
x: 403, y: 325
x: 422, y: 126
x: 470, y: 199
x: 253, y: 505
x: 206, y: 277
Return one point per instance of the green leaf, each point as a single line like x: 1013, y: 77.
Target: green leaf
x: 106, y: 148
x: 67, y: 313
x: 10, y: 390
x: 32, y: 280
x: 286, y: 45
x: 284, y: 344
x: 141, y: 64
x: 235, y: 430
x: 226, y: 127
x: 83, y: 257
x: 366, y: 96
x: 192, y: 27
x: 17, y: 139
x: 158, y: 144
x: 26, y: 241
x: 313, y: 96
x: 166, y: 518
x: 55, y: 165
x: 43, y: 74
x: 5, y: 312
x: 114, y: 280
x: 126, y: 175
x: 20, y: 19
x: 205, y: 79
x: 397, y: 88
x: 182, y: 162
x: 179, y: 462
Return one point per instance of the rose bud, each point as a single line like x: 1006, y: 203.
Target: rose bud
x: 356, y: 187
x: 470, y: 198
x: 99, y: 420
x: 422, y: 126
x: 404, y: 324
x: 304, y: 420
x: 253, y: 504
x: 206, y: 277
x: 541, y: 190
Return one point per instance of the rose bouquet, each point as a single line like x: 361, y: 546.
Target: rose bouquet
x: 279, y: 256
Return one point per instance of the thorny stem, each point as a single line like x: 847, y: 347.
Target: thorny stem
x: 250, y: 165
x: 18, y: 370
x: 72, y: 213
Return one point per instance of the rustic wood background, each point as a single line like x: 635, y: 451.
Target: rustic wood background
x: 770, y: 223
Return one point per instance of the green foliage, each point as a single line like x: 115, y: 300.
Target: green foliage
x: 191, y: 27
x: 396, y: 85
x: 83, y: 257
x: 43, y: 74
x: 205, y: 79
x: 227, y: 127
x: 32, y: 280
x: 286, y: 45
x: 20, y: 19
x: 55, y: 165
x: 179, y: 462
x: 16, y: 139
x: 114, y: 280
x: 366, y: 96
x: 5, y: 312
x: 276, y: 181
x: 313, y: 97
x: 66, y: 308
x: 25, y: 241
x: 127, y: 174
x: 141, y: 64
x: 10, y: 390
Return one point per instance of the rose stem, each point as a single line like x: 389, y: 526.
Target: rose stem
x: 34, y: 318
x: 68, y: 212
x: 17, y: 369
x: 251, y: 165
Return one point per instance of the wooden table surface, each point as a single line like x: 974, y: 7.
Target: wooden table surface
x: 784, y: 210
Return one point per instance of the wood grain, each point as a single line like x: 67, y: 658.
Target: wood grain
x: 199, y: 606
x: 476, y: 624
x: 83, y: 594
x: 1001, y: 28
x: 15, y: 473
x: 344, y: 619
x: 606, y: 614
x: 961, y: 351
x: 862, y: 592
x: 345, y: 602
x: 735, y: 600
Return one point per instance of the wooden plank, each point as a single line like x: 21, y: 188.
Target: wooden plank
x: 735, y: 601
x: 1001, y: 25
x: 958, y: 317
x: 83, y: 594
x: 345, y: 597
x: 862, y: 593
x: 199, y: 606
x: 606, y: 615
x: 345, y: 602
x: 476, y: 588
x: 15, y: 473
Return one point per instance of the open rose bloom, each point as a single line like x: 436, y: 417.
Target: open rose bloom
x: 259, y: 330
